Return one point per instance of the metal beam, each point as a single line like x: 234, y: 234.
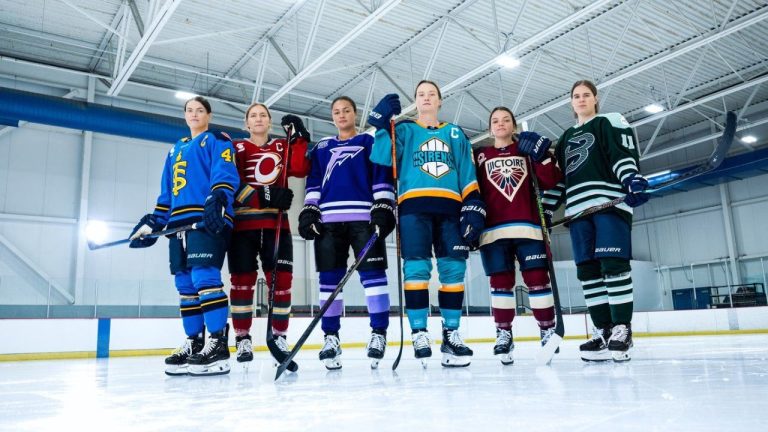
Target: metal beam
x: 368, y: 99
x: 142, y: 47
x: 526, y: 82
x: 87, y: 15
x: 207, y: 35
x: 436, y: 50
x: 101, y: 50
x: 402, y: 91
x: 260, y: 77
x: 312, y: 34
x: 283, y: 56
x: 330, y: 52
x: 136, y: 16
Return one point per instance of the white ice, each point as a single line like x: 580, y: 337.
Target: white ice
x: 705, y: 383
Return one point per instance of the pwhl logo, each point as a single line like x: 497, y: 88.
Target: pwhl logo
x: 434, y: 158
x: 506, y: 174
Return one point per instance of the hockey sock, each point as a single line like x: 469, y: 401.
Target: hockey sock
x: 503, y: 300
x: 281, y: 310
x: 451, y: 294
x: 540, y: 297
x: 620, y: 297
x: 595, y: 293
x: 331, y: 320
x: 189, y: 304
x: 241, y: 301
x: 376, y: 297
x: 416, y: 274
x: 214, y: 302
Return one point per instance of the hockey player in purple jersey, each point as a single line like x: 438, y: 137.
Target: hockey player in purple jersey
x: 198, y: 184
x: 346, y: 195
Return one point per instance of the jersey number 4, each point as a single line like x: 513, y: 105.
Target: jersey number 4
x: 227, y: 155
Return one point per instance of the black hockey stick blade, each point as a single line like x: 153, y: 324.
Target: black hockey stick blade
x: 299, y: 343
x: 279, y: 355
x: 93, y: 245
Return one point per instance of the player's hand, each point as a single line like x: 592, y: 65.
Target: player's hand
x: 472, y: 221
x: 310, y: 222
x: 387, y: 107
x: 383, y: 216
x: 533, y: 145
x: 636, y: 185
x: 275, y: 197
x: 147, y: 225
x: 213, y: 212
x: 294, y: 128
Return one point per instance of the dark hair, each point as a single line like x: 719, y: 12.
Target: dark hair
x: 439, y: 94
x: 202, y: 100
x: 345, y: 98
x: 591, y: 86
x: 253, y: 105
x: 502, y: 108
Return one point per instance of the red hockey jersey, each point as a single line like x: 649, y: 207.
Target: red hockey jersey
x: 263, y: 165
x: 506, y: 188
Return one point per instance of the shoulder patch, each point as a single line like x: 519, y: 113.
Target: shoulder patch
x: 617, y: 120
x: 221, y: 135
x: 185, y: 139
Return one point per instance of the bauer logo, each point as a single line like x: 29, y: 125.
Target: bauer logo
x: 506, y: 174
x: 434, y: 158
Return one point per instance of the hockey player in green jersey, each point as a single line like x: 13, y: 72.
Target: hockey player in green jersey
x: 439, y: 209
x: 599, y: 159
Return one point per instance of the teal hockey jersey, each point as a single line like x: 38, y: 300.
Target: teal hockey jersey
x: 435, y: 168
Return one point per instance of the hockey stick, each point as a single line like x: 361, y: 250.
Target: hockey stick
x: 198, y: 225
x: 360, y: 257
x: 276, y: 352
x: 544, y: 357
x: 712, y: 162
x: 397, y: 242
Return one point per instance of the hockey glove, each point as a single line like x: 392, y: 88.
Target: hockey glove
x: 213, y: 212
x: 387, y: 107
x: 147, y: 225
x: 533, y: 145
x: 275, y: 197
x: 472, y: 221
x: 383, y: 216
x: 310, y: 225
x: 636, y: 185
x: 294, y: 127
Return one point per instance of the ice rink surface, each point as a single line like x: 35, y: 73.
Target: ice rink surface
x: 703, y: 383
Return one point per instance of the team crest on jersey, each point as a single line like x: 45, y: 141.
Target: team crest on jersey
x: 338, y: 156
x: 506, y: 174
x: 434, y: 158
x: 266, y: 167
x: 577, y: 152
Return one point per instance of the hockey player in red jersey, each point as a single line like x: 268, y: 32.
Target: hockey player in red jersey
x: 260, y: 162
x: 513, y: 228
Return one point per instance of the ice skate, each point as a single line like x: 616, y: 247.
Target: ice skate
x: 596, y: 349
x: 176, y: 364
x: 546, y: 334
x: 214, y: 358
x: 455, y: 353
x: 620, y: 342
x: 421, y: 346
x: 244, y: 349
x: 504, y: 346
x: 330, y: 355
x: 376, y: 347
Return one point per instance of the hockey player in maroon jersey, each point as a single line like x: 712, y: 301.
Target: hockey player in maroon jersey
x: 260, y: 161
x: 513, y: 229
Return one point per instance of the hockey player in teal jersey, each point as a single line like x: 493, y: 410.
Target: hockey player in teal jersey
x: 600, y: 161
x: 439, y: 209
x: 198, y: 183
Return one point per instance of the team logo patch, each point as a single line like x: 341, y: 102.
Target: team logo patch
x: 338, y: 156
x: 506, y: 174
x: 266, y: 167
x: 577, y: 152
x: 434, y: 158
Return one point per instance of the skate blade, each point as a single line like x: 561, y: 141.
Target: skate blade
x: 375, y: 363
x: 220, y: 367
x: 450, y: 360
x: 176, y: 370
x: 332, y: 364
x: 545, y: 354
x: 621, y: 356
x: 597, y: 357
x: 424, y: 363
x: 505, y: 359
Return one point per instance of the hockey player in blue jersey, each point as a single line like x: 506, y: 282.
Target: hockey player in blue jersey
x: 198, y: 183
x: 346, y: 195
x: 439, y: 209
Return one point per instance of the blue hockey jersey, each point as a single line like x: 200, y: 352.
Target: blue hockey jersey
x: 193, y: 169
x: 435, y: 168
x: 343, y: 181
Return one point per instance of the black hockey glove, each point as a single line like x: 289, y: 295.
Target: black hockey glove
x: 636, y: 185
x: 213, y: 212
x: 294, y: 128
x: 387, y: 107
x: 310, y: 222
x: 383, y: 216
x: 147, y: 225
x: 472, y: 221
x: 533, y: 145
x: 548, y: 219
x: 275, y: 197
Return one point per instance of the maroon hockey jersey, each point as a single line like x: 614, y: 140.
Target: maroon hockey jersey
x: 506, y: 188
x: 259, y: 166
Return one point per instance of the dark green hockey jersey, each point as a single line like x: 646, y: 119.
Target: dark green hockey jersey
x: 595, y: 158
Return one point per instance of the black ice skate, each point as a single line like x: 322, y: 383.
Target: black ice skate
x: 620, y: 342
x: 330, y: 355
x: 244, y: 346
x: 176, y: 363
x: 376, y: 347
x: 545, y: 335
x: 455, y: 353
x: 214, y: 358
x: 596, y: 349
x: 504, y: 346
x: 421, y: 345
